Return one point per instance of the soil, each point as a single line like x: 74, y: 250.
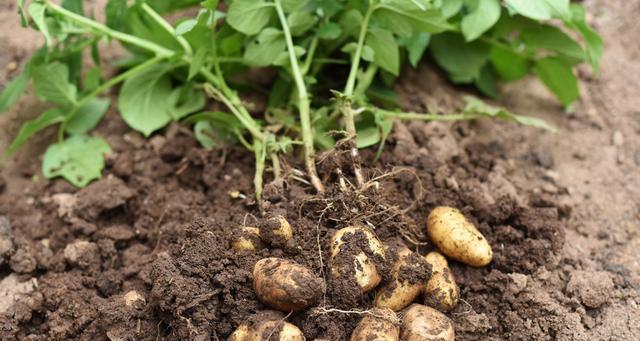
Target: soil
x: 144, y: 253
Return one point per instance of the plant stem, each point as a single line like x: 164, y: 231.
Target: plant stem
x: 304, y: 105
x: 424, y: 117
x: 167, y: 27
x: 355, y: 64
x: 312, y: 51
x: 104, y: 87
x: 365, y: 82
x: 160, y: 51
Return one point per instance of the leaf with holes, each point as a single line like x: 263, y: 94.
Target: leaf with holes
x: 79, y: 159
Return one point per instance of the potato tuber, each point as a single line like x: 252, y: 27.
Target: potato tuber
x: 377, y: 326
x: 441, y: 291
x: 398, y: 293
x: 421, y: 323
x: 345, y: 242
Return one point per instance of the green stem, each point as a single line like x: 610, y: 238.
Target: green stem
x: 160, y: 51
x: 365, y: 82
x: 167, y: 27
x: 310, y: 55
x: 104, y: 87
x: 424, y: 117
x: 304, y: 105
x: 355, y: 64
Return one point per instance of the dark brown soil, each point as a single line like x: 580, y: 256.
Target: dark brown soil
x: 144, y: 253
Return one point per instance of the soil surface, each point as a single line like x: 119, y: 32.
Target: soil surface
x: 144, y: 253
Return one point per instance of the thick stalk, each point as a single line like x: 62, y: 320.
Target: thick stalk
x: 167, y: 27
x: 304, y: 105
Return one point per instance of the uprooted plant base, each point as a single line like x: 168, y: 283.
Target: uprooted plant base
x: 159, y: 227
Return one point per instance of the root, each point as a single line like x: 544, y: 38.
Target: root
x: 393, y: 318
x: 277, y: 326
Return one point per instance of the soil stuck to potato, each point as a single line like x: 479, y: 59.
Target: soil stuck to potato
x: 162, y: 220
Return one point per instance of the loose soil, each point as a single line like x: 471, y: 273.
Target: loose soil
x: 144, y: 253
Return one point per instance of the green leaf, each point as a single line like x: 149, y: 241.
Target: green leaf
x: 265, y: 48
x: 198, y: 61
x: 552, y: 39
x: 476, y: 107
x: 404, y: 18
x: 13, y: 91
x: 24, y: 21
x: 481, y: 19
x: 74, y: 6
x: 92, y: 79
x: 249, y: 16
x: 293, y: 5
x: 367, y: 52
x: 486, y: 81
x: 385, y: 49
x: 558, y: 76
x: 450, y: 8
x: 145, y: 99
x: 51, y: 82
x: 300, y: 22
x: 350, y: 22
x: 462, y: 60
x: 210, y: 4
x: 116, y: 13
x: 509, y: 65
x: 591, y: 38
x: 88, y: 116
x: 368, y: 137
x: 540, y: 9
x: 205, y: 134
x: 37, y: 11
x: 416, y: 46
x: 79, y: 159
x: 31, y: 127
x: 186, y: 26
x: 329, y: 31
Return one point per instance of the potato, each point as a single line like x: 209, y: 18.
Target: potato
x: 398, y: 294
x: 345, y: 242
x: 240, y: 334
x: 270, y: 327
x: 248, y: 240
x: 276, y: 231
x: 286, y: 285
x: 421, y: 323
x: 268, y: 330
x: 376, y: 328
x: 457, y: 238
x: 441, y: 291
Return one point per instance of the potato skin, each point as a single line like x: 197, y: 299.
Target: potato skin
x: 286, y: 285
x: 366, y: 273
x: 421, y: 323
x: 375, y: 328
x: 441, y: 291
x: 457, y: 238
x: 397, y: 295
x: 249, y: 239
x: 240, y: 334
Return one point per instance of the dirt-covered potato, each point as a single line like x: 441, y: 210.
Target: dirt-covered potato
x: 457, y: 238
x: 247, y: 240
x: 269, y: 329
x: 286, y: 285
x: 409, y: 273
x: 284, y: 331
x: 421, y: 323
x: 441, y: 291
x: 275, y: 231
x: 377, y: 326
x: 357, y: 247
x: 240, y: 334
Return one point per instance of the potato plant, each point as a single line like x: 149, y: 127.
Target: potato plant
x: 335, y: 62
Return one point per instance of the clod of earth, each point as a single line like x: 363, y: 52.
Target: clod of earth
x: 457, y: 238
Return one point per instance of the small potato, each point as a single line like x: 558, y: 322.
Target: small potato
x: 457, y: 238
x: 363, y: 267
x: 422, y: 323
x: 397, y: 294
x: 375, y: 327
x: 286, y: 285
x: 248, y: 240
x: 441, y: 291
x: 276, y: 231
x: 267, y: 330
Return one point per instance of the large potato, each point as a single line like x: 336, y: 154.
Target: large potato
x: 401, y: 291
x: 421, y: 323
x: 240, y: 334
x: 357, y: 246
x: 247, y: 240
x: 376, y: 328
x: 457, y: 238
x: 286, y: 285
x: 441, y: 291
